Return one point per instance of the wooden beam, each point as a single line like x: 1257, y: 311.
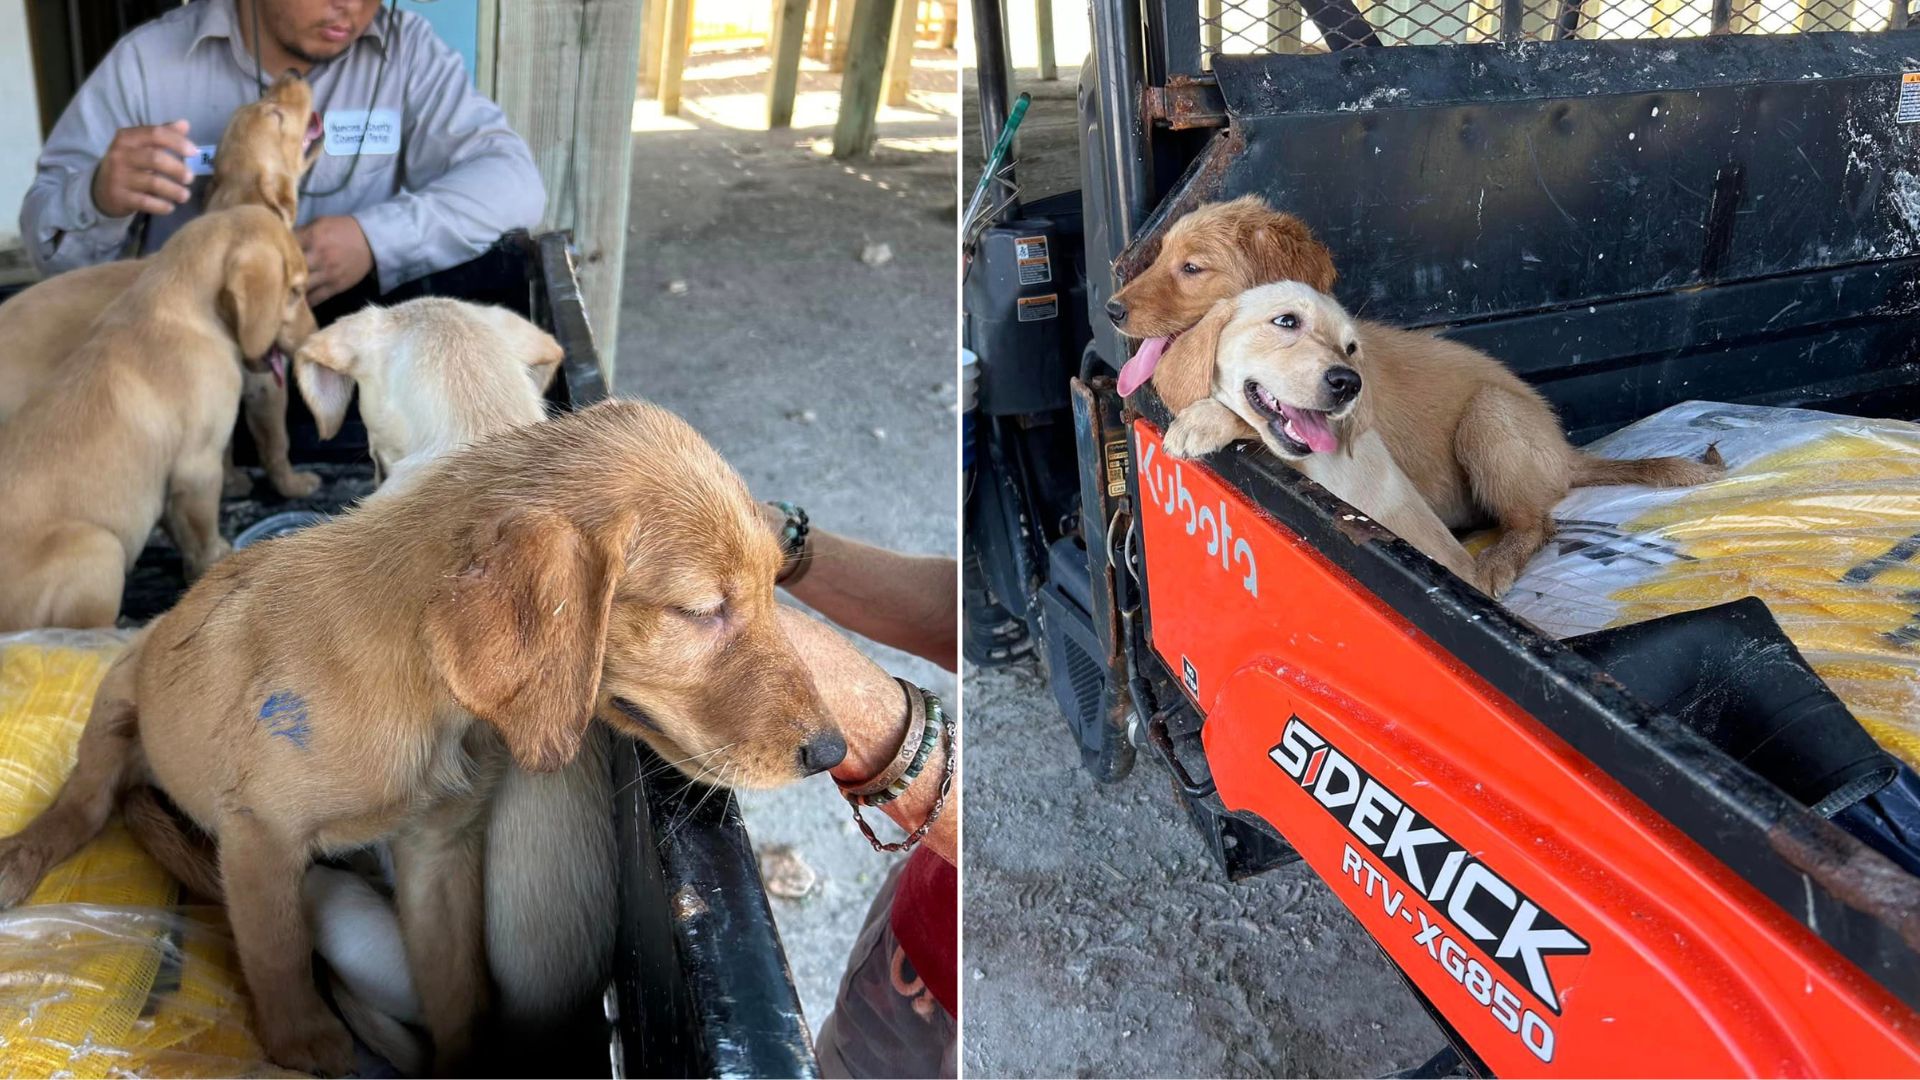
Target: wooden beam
x: 653, y: 45
x: 860, y: 87
x: 789, y: 30
x: 1043, y: 19
x: 949, y: 23
x: 842, y: 35
x: 673, y: 57
x: 817, y: 30
x: 906, y: 25
x: 564, y: 73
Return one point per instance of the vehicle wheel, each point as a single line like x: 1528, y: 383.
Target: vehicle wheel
x: 991, y: 636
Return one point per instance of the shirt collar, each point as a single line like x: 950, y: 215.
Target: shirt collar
x: 221, y: 19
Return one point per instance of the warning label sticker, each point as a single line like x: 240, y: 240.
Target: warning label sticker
x: 1036, y: 268
x: 1039, y: 308
x: 1909, y: 98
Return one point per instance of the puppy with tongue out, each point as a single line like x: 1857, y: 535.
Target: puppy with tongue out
x: 1278, y: 361
x: 1283, y: 363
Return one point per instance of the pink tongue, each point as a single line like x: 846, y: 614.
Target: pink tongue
x: 313, y: 131
x: 277, y: 360
x: 1139, y: 369
x: 1313, y: 429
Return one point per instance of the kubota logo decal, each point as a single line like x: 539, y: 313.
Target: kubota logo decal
x: 1168, y: 491
x: 1468, y: 900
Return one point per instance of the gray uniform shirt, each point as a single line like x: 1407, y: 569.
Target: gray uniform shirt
x: 440, y: 173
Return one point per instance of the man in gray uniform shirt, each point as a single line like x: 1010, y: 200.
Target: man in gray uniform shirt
x: 418, y: 171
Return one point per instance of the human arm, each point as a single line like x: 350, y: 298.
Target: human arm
x: 904, y: 601
x: 467, y: 176
x: 871, y: 709
x: 101, y: 164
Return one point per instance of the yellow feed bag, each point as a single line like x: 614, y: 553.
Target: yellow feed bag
x: 1819, y: 516
x: 101, y: 974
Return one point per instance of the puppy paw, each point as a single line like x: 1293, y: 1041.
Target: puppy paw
x: 198, y: 565
x: 1496, y: 580
x: 315, y: 1042
x: 22, y: 865
x: 1198, y: 433
x: 237, y: 483
x: 295, y: 485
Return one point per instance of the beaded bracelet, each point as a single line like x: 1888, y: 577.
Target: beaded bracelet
x: 939, y: 724
x: 793, y: 544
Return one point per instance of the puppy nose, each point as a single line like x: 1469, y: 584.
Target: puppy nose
x: 822, y: 751
x: 1344, y: 382
x: 1116, y: 310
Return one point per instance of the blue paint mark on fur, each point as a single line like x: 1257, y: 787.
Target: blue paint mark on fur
x: 285, y: 715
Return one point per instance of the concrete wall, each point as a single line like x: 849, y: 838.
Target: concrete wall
x: 19, y: 119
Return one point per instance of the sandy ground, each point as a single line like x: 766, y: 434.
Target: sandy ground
x: 826, y: 381
x: 1101, y: 939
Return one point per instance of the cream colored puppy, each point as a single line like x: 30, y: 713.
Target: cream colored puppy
x: 434, y: 375
x: 1285, y: 360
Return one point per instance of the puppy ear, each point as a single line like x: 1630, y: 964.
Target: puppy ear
x: 253, y: 299
x: 520, y: 634
x: 536, y: 348
x: 1284, y: 249
x: 323, y: 369
x: 1185, y: 374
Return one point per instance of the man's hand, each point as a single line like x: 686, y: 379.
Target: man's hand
x: 337, y: 256
x: 144, y: 170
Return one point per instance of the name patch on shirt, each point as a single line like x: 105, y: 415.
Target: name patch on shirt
x: 362, y: 131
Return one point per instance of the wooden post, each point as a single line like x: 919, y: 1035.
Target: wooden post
x: 906, y: 25
x: 817, y: 29
x: 789, y: 27
x: 564, y: 74
x: 853, y: 128
x: 949, y: 23
x: 673, y: 58
x: 842, y: 35
x: 1043, y: 17
x: 653, y: 44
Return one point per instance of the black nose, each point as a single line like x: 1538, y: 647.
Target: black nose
x: 822, y: 751
x: 1344, y: 382
x: 1116, y: 311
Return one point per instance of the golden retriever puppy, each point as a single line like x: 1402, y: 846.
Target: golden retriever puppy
x: 1285, y: 362
x: 364, y: 679
x: 265, y: 150
x: 1481, y: 445
x: 136, y: 421
x: 435, y: 375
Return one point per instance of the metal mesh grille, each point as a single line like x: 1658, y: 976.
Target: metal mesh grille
x: 1295, y: 26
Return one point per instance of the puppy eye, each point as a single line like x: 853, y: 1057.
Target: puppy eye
x: 1190, y: 269
x: 1352, y: 347
x: 707, y: 615
x: 1290, y: 321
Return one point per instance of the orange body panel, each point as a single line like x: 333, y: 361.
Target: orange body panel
x: 1559, y: 924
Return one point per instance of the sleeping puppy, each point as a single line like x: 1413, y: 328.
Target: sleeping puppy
x: 267, y: 147
x: 435, y: 375
x: 136, y: 421
x: 366, y: 679
x: 1285, y: 362
x: 1480, y: 445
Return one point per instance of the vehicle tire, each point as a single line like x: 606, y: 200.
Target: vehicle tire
x: 991, y: 636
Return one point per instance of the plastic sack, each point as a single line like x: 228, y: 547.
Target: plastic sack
x: 1818, y: 516
x: 100, y: 973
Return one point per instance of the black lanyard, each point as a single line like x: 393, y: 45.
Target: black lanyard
x: 379, y: 78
